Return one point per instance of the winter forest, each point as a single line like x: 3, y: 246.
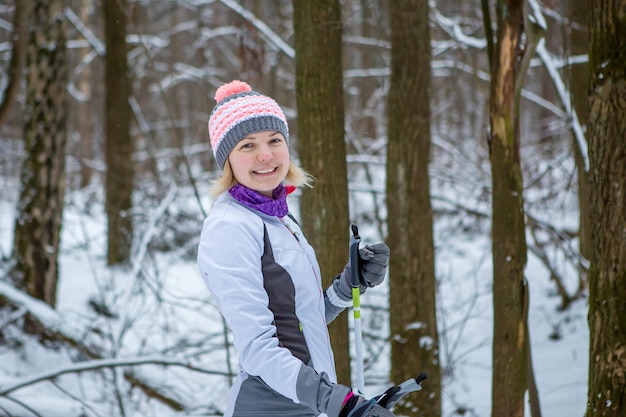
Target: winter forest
x: 483, y: 141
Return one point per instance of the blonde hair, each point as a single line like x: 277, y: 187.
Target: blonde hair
x: 295, y: 176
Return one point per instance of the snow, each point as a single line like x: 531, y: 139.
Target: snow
x: 153, y: 323
x: 163, y: 329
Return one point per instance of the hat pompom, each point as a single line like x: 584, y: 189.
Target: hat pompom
x: 228, y: 89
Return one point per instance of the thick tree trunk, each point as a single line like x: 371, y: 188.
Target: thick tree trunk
x: 322, y: 149
x: 412, y: 283
x: 119, y: 147
x: 579, y: 87
x: 40, y: 206
x: 508, y: 229
x: 607, y: 157
x: 85, y: 118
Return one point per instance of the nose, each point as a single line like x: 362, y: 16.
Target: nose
x: 265, y: 154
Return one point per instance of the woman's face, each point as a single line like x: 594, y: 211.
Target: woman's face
x: 260, y: 161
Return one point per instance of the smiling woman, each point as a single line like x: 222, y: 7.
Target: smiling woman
x: 263, y: 273
x: 260, y: 161
x: 245, y: 122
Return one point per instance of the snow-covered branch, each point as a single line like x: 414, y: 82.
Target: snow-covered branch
x: 42, y: 312
x: 99, y: 364
x: 272, y: 36
x: 454, y: 30
x: 151, y: 231
x: 566, y: 102
x: 93, y: 40
x: 58, y: 327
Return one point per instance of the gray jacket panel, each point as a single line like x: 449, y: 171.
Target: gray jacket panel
x: 281, y: 292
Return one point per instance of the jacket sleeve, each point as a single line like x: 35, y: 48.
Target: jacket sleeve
x: 229, y: 259
x: 319, y: 394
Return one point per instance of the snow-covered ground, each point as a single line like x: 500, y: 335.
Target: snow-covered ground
x: 159, y: 310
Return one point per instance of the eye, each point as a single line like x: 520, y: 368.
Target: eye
x: 246, y: 145
x: 276, y: 140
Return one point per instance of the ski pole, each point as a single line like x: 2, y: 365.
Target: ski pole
x: 355, y: 240
x: 394, y: 394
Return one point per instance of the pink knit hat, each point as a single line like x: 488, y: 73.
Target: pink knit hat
x: 238, y: 113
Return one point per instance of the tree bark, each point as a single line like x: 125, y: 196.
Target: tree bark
x: 579, y: 86
x: 412, y: 286
x: 607, y: 157
x: 85, y: 119
x: 41, y: 201
x: 119, y: 146
x: 18, y: 59
x: 509, y: 382
x: 322, y: 149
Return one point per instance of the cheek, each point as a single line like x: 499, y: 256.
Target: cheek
x: 238, y: 165
x: 284, y: 155
x: 240, y: 161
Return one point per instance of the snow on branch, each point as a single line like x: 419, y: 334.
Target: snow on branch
x: 59, y: 327
x: 442, y: 65
x: 536, y: 15
x: 454, y: 30
x: 93, y: 40
x: 142, y: 250
x: 566, y: 102
x: 42, y: 312
x: 99, y: 364
x: 551, y: 64
x: 261, y: 26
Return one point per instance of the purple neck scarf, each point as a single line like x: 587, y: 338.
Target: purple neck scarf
x: 275, y: 206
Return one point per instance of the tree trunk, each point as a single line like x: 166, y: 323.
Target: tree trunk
x: 19, y: 36
x: 119, y: 146
x: 40, y: 206
x: 322, y: 149
x: 579, y: 87
x: 607, y: 157
x: 412, y: 286
x: 508, y: 229
x: 85, y: 119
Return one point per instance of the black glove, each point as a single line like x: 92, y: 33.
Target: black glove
x: 357, y: 406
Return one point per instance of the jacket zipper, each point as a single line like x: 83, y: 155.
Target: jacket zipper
x: 295, y: 234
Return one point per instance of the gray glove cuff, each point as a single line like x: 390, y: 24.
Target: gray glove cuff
x: 337, y: 296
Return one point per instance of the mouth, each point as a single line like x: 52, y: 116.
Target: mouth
x: 265, y: 171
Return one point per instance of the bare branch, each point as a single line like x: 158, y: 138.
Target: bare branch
x: 100, y: 364
x: 262, y: 27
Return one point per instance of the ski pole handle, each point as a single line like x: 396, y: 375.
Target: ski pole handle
x: 355, y: 241
x: 394, y: 394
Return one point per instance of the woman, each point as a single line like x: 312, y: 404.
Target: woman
x: 263, y: 273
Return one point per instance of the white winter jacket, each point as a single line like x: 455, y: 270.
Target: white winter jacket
x: 266, y: 280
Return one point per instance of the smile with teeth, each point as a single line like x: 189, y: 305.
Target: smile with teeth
x: 265, y: 171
